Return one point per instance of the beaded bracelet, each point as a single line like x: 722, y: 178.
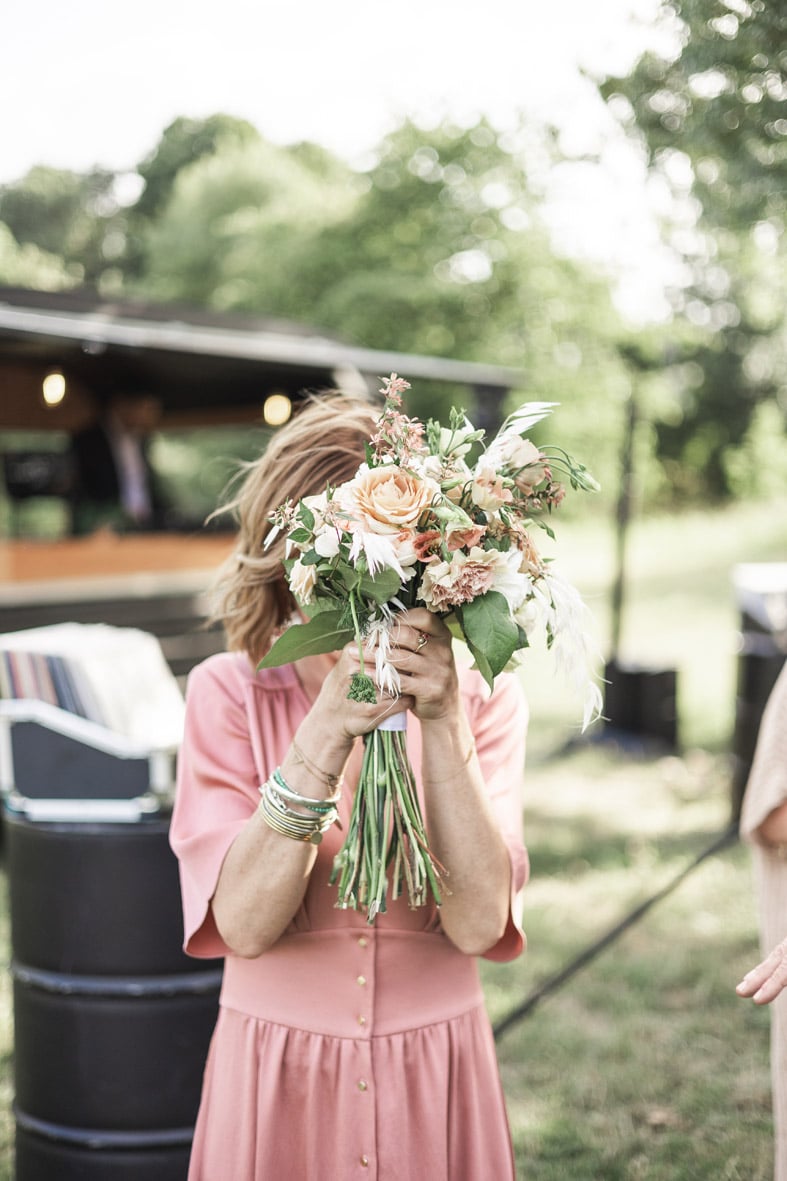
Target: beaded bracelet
x: 293, y: 797
x: 282, y: 819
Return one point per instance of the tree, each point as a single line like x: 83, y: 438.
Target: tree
x: 29, y: 266
x: 709, y: 110
x: 438, y: 249
x: 182, y: 143
x: 74, y: 216
x: 236, y: 227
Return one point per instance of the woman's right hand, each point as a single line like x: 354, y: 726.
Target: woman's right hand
x: 343, y: 716
x: 765, y: 982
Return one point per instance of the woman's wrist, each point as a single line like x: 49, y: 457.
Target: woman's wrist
x: 315, y: 761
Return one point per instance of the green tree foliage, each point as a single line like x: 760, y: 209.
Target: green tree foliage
x: 182, y: 143
x: 29, y: 266
x: 711, y: 114
x: 236, y: 226
x: 71, y: 215
x: 437, y: 249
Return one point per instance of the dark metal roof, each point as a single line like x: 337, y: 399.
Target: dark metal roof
x: 194, y: 359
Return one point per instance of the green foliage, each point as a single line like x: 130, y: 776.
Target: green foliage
x: 492, y: 635
x: 437, y: 249
x: 29, y: 266
x: 234, y: 228
x: 182, y: 143
x: 67, y: 215
x: 709, y: 109
x: 323, y: 633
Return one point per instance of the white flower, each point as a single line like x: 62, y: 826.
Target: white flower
x: 456, y: 443
x: 303, y: 580
x: 404, y: 548
x: 327, y: 541
x: 378, y: 641
x: 516, y: 455
x: 488, y: 491
x: 378, y: 550
x: 565, y: 614
x: 318, y: 503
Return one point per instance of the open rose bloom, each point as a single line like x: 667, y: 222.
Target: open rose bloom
x: 421, y: 524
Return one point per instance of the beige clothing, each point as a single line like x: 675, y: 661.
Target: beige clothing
x: 767, y: 789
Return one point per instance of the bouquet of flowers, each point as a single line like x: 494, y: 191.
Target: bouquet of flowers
x: 419, y: 526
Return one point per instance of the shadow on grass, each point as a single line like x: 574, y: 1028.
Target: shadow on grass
x: 582, y: 844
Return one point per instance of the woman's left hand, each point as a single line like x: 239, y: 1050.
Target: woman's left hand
x: 422, y: 654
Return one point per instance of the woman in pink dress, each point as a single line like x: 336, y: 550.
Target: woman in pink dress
x: 764, y: 825
x: 342, y: 1049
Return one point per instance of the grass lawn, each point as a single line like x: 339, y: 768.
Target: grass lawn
x: 644, y: 1066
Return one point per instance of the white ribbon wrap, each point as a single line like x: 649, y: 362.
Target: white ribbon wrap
x: 396, y: 721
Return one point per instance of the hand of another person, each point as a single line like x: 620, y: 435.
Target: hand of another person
x: 764, y: 983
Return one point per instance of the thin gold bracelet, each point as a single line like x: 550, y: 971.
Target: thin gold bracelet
x: 461, y: 766
x: 333, y: 781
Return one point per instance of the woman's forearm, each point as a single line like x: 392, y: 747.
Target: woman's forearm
x: 464, y: 837
x: 265, y: 874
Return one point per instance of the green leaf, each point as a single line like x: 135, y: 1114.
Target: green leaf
x: 349, y: 576
x: 491, y: 634
x: 306, y: 515
x: 320, y: 634
x: 381, y: 588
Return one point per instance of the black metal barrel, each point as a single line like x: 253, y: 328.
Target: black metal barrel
x: 111, y: 1020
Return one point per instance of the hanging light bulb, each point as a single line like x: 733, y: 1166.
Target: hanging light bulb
x: 277, y: 409
x: 53, y: 388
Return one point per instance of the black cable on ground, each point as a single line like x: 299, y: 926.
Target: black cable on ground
x: 728, y: 837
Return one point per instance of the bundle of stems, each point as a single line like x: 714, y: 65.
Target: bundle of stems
x: 386, y: 834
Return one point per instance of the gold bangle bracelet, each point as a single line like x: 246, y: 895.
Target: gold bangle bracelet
x: 282, y: 819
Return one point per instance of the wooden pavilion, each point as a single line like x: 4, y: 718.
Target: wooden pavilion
x: 206, y: 369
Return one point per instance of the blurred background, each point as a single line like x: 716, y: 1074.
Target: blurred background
x: 580, y: 205
x: 577, y: 203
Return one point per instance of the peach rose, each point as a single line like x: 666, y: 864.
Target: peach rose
x: 488, y: 490
x: 390, y: 499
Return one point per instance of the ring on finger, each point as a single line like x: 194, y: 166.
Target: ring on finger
x: 423, y: 640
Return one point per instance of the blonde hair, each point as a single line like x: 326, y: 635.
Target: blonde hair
x: 324, y: 443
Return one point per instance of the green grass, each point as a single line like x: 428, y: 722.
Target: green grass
x: 645, y: 1066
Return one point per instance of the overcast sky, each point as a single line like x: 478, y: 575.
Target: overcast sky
x: 89, y: 82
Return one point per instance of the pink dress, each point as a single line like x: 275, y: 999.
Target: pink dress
x: 346, y: 1050
x: 766, y: 790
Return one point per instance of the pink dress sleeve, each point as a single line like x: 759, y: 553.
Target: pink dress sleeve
x: 217, y: 792
x: 499, y: 724
x: 767, y: 785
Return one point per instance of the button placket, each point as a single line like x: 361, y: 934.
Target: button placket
x: 363, y: 985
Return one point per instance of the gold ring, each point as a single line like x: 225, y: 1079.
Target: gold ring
x: 423, y: 640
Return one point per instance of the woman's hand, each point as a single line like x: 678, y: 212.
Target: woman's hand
x: 422, y: 655
x: 764, y: 983
x: 348, y: 719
